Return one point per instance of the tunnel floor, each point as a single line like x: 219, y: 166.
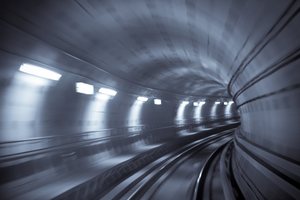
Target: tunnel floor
x: 144, y: 171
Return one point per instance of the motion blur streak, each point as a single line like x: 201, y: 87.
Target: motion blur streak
x: 197, y: 112
x: 95, y: 114
x: 228, y: 109
x: 180, y: 117
x: 134, y: 117
x: 111, y: 139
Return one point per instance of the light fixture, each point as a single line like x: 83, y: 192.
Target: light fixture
x: 107, y: 91
x: 231, y: 102
x: 143, y: 99
x: 84, y: 88
x: 225, y: 103
x: 217, y: 102
x: 202, y: 103
x: 157, y: 101
x: 40, y: 72
x: 196, y: 104
x: 185, y: 102
x: 102, y: 96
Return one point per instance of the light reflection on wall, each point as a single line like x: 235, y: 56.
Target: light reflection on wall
x: 21, y: 106
x: 31, y: 81
x: 228, y: 109
x: 95, y: 115
x: 180, y: 119
x: 197, y: 113
x: 214, y: 111
x: 134, y: 116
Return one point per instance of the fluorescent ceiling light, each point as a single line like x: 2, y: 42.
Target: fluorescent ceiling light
x: 196, y: 104
x: 202, y: 102
x: 225, y: 103
x: 84, y: 88
x: 39, y: 71
x: 185, y: 102
x: 143, y: 99
x: 108, y: 91
x: 103, y: 96
x: 231, y: 102
x: 157, y: 101
x: 217, y: 102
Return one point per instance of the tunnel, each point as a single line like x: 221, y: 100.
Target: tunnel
x: 149, y: 99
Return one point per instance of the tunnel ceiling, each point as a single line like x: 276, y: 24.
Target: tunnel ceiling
x: 184, y: 47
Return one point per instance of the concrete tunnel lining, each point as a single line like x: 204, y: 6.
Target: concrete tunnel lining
x: 247, y: 51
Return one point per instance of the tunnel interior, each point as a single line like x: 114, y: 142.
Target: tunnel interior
x: 138, y: 79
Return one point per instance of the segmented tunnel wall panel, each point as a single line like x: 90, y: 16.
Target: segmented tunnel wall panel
x: 173, y: 50
x: 266, y: 89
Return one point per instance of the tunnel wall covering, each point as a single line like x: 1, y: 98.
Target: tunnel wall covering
x: 46, y: 126
x: 265, y: 87
x: 173, y: 50
x: 33, y: 108
x: 48, y: 129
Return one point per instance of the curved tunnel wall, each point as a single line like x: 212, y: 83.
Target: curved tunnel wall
x: 252, y: 46
x: 47, y: 125
x: 265, y: 86
x: 48, y: 129
x: 34, y: 107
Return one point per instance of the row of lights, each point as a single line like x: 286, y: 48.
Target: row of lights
x: 194, y: 103
x: 203, y: 102
x: 225, y: 102
x: 106, y: 93
x: 84, y: 88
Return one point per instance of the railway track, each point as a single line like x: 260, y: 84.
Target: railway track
x: 173, y: 176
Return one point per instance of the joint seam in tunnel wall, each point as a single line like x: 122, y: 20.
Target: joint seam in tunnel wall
x: 284, y: 177
x: 240, y: 136
x: 263, y: 42
x: 92, y: 65
x: 286, y: 89
x: 249, y: 183
x: 284, y: 184
x: 268, y: 37
x: 140, y: 80
x: 97, y: 81
x: 281, y: 63
x: 83, y: 8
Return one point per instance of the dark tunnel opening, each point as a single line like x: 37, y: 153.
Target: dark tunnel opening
x: 137, y: 99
